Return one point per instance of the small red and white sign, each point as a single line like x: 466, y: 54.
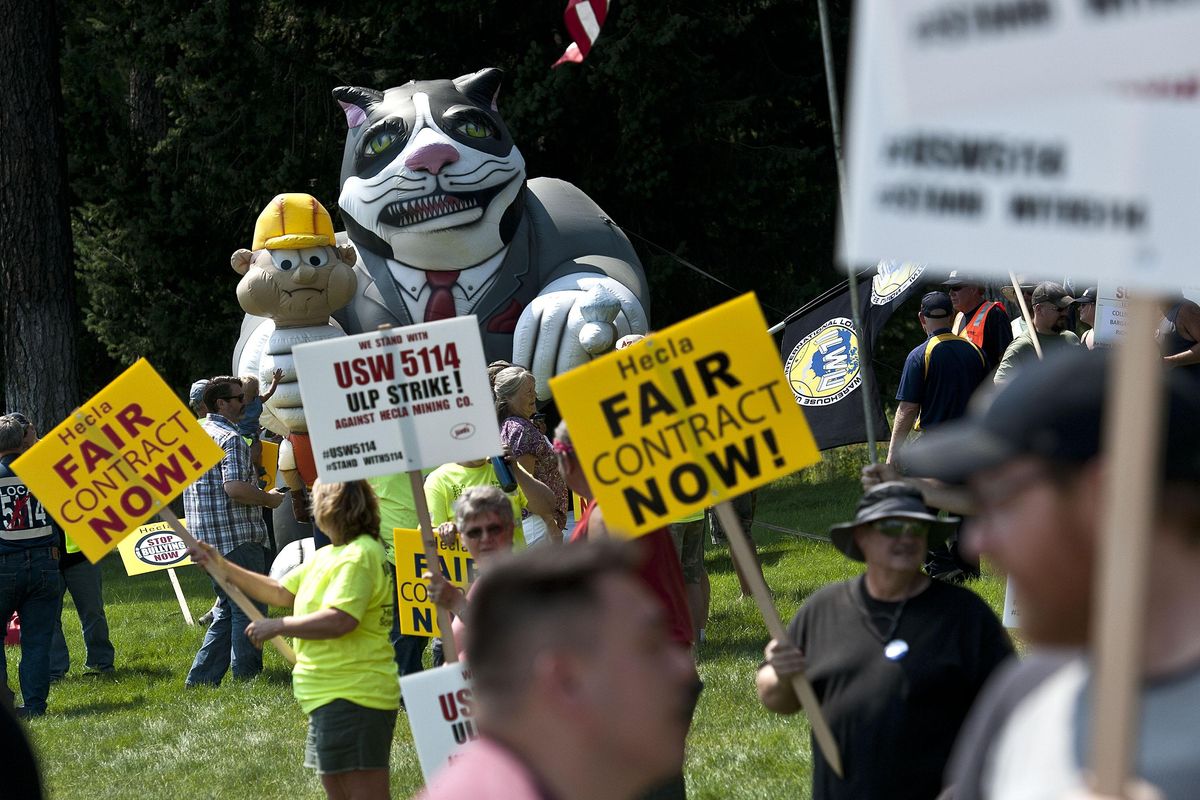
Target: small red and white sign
x: 584, y: 19
x: 441, y: 712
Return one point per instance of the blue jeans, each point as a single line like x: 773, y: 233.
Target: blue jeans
x: 408, y: 649
x: 225, y: 643
x: 82, y: 580
x: 31, y: 585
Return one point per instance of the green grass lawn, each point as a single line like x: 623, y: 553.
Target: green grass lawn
x: 139, y: 734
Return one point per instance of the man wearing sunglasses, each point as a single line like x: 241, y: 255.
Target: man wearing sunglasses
x: 1050, y: 306
x: 223, y: 509
x: 896, y: 659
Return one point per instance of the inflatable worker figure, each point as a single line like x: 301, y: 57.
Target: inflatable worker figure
x: 296, y: 276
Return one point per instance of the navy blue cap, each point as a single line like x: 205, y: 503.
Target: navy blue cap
x: 937, y: 305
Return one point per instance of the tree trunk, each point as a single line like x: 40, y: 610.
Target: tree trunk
x: 37, y: 287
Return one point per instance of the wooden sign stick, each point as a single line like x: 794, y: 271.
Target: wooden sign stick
x: 1132, y: 443
x: 183, y: 606
x: 744, y: 556
x: 1037, y: 346
x: 235, y: 594
x: 449, y: 648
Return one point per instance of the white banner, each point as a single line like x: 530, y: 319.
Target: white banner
x: 440, y: 710
x: 969, y: 54
x: 1102, y: 186
x: 1112, y: 303
x: 397, y: 400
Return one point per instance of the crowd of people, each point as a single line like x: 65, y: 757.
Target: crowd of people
x: 582, y: 646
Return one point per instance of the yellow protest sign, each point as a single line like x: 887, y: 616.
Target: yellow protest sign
x: 691, y: 415
x: 153, y: 547
x: 418, y: 616
x: 117, y: 460
x: 270, y: 462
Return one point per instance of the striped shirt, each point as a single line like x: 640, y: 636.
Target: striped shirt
x: 214, y: 516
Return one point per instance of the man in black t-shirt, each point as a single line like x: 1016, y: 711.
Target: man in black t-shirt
x: 895, y: 659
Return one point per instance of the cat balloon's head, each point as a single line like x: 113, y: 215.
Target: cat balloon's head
x: 430, y: 174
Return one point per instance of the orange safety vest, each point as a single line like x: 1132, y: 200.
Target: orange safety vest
x: 973, y: 330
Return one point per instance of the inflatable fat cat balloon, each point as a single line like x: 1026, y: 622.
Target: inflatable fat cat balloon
x: 435, y: 200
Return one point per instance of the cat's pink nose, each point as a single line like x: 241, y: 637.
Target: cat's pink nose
x: 432, y: 158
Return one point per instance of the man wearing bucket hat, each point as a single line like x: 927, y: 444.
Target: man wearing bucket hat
x: 1033, y: 461
x: 895, y: 659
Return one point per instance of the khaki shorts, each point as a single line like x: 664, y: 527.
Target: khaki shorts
x: 689, y: 546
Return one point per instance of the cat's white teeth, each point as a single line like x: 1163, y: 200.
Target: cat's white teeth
x: 426, y: 208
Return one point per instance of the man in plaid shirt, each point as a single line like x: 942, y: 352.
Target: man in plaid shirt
x: 224, y: 509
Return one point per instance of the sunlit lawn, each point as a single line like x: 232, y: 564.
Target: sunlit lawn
x: 140, y: 735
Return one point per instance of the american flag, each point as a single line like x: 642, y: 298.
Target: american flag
x: 583, y: 18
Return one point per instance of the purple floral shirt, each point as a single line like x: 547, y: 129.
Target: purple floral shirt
x: 522, y: 438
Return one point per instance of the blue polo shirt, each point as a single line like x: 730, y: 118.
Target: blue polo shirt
x: 940, y: 375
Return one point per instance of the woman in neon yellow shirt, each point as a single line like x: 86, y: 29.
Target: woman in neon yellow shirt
x: 345, y: 678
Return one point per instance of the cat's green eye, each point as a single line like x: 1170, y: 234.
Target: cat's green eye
x: 381, y: 142
x: 475, y: 130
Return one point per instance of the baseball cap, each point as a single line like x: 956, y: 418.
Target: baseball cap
x: 936, y: 305
x: 1088, y: 297
x: 196, y: 393
x: 1054, y: 410
x: 959, y: 278
x: 891, y: 500
x: 1053, y: 293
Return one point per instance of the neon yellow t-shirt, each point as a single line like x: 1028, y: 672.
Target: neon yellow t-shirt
x: 359, y: 666
x: 396, y: 508
x: 447, y: 482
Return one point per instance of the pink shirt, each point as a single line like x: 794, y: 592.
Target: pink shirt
x: 460, y: 628
x: 484, y: 770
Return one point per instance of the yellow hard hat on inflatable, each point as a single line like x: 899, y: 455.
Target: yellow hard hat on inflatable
x: 292, y: 221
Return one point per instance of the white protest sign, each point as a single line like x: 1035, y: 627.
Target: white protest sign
x: 1112, y: 310
x: 1012, y: 614
x: 441, y: 712
x: 1101, y: 185
x: 397, y: 400
x: 973, y: 53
